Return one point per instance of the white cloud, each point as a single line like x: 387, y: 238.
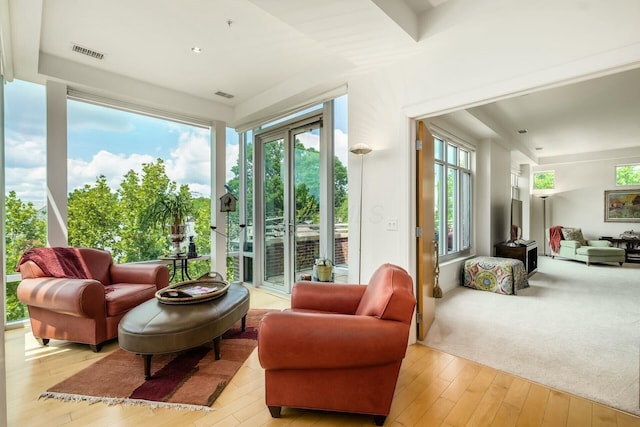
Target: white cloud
x: 190, y: 162
x: 341, y: 141
x: 112, y: 166
x: 28, y: 151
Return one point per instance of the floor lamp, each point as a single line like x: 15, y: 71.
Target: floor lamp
x: 360, y: 150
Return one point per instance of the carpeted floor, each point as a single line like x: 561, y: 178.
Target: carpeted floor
x: 191, y: 379
x: 576, y: 329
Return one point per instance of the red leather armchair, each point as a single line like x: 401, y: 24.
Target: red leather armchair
x: 86, y: 310
x: 339, y: 347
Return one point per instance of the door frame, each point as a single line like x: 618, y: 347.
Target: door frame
x: 287, y: 131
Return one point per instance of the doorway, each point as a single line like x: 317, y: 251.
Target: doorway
x: 288, y: 183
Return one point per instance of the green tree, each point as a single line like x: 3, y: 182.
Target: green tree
x: 139, y: 243
x: 544, y: 180
x: 94, y: 217
x: 628, y: 175
x: 25, y: 228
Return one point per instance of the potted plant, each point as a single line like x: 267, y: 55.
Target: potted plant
x: 324, y: 269
x: 170, y: 209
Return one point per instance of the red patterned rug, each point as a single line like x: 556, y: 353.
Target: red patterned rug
x: 191, y: 379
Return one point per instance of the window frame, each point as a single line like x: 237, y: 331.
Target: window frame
x: 462, y: 234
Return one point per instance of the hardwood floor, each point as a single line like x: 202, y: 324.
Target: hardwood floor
x: 434, y: 389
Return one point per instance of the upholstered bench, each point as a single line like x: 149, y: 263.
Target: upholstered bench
x: 499, y: 275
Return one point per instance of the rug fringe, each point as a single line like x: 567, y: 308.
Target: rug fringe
x: 110, y: 401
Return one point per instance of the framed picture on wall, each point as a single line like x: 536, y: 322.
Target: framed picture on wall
x: 622, y: 205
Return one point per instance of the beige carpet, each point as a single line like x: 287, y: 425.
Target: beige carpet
x: 575, y: 329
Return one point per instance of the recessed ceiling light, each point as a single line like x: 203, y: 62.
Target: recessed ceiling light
x: 522, y: 131
x: 196, y: 49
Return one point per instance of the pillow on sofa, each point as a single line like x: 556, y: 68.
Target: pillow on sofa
x: 573, y: 234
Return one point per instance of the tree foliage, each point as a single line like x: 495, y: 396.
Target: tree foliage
x: 628, y: 175
x: 544, y: 181
x: 25, y: 228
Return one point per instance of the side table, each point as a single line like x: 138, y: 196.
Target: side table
x: 631, y: 247
x: 181, y: 262
x: 527, y: 252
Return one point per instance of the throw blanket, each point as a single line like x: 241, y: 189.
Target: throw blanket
x: 57, y: 262
x: 555, y: 235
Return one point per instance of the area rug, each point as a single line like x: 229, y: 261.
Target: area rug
x: 192, y: 379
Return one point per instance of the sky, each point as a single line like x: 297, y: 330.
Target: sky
x: 110, y: 142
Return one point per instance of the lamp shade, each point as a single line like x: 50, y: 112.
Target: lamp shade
x: 360, y: 149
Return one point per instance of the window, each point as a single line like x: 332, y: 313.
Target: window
x: 118, y: 161
x: 515, y: 188
x: 25, y: 187
x: 452, y: 197
x: 628, y: 175
x: 544, y: 180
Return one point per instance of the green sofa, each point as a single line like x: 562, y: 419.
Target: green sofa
x: 600, y: 251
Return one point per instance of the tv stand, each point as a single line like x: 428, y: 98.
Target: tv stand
x: 525, y: 250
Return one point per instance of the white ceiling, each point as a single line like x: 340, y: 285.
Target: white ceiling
x: 266, y: 51
x: 601, y: 114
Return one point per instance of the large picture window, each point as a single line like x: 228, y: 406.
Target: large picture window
x: 118, y: 163
x: 25, y: 187
x: 452, y: 197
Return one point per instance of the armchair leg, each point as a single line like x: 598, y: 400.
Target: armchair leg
x: 96, y: 347
x: 379, y: 419
x: 275, y: 411
x: 42, y: 341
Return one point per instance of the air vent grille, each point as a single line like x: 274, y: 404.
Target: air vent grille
x: 88, y: 52
x: 224, y: 94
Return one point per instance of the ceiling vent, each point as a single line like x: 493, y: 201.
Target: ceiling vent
x: 224, y: 94
x: 88, y: 52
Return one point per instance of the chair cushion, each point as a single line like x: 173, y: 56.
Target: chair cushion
x: 600, y: 251
x: 388, y: 295
x: 573, y: 234
x: 122, y: 297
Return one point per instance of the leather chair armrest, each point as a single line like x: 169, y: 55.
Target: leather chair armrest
x: 327, y: 297
x: 140, y: 273
x: 297, y: 340
x: 76, y: 297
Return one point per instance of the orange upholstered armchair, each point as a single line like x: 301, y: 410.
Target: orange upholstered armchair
x: 339, y: 347
x: 80, y: 295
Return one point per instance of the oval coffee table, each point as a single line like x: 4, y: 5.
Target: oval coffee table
x: 157, y: 328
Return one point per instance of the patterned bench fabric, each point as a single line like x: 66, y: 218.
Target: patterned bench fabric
x: 499, y: 275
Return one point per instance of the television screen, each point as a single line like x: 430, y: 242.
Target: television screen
x: 516, y: 219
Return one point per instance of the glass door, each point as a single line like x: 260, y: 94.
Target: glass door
x: 290, y: 211
x: 306, y: 200
x: 275, y: 222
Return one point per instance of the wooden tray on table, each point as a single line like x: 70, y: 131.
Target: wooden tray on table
x: 193, y: 291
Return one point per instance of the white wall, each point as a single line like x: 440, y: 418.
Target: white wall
x: 555, y: 43
x: 379, y: 122
x: 578, y: 199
